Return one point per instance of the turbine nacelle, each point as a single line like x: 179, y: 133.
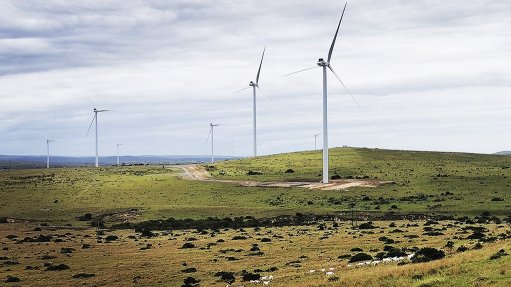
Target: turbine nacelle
x: 252, y: 84
x: 323, y: 63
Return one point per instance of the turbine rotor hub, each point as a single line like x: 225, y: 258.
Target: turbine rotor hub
x: 322, y: 63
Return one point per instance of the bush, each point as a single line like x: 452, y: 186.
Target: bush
x: 11, y: 279
x: 3, y: 220
x: 188, y: 245
x: 83, y: 275
x: 427, y: 254
x: 251, y: 276
x: 462, y: 249
x: 189, y: 270
x: 499, y: 254
x: 360, y: 257
x: 227, y: 277
x: 111, y: 238
x: 251, y: 172
x: 85, y: 217
x: 366, y: 225
x: 290, y: 171
x: 190, y: 282
x: 396, y: 252
x: 59, y: 267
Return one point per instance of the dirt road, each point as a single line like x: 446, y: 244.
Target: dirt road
x: 198, y: 172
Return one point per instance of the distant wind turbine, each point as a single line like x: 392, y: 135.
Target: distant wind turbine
x: 95, y: 119
x: 315, y: 140
x: 118, y: 145
x: 254, y: 86
x: 326, y: 64
x: 211, y: 133
x: 48, y: 141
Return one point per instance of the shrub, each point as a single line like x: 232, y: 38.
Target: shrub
x: 356, y: 249
x: 251, y: 172
x: 190, y: 282
x: 427, y: 254
x: 396, y: 252
x: 289, y: 170
x: 11, y: 279
x: 227, y: 277
x: 189, y: 270
x: 85, y: 217
x: 83, y: 275
x: 251, y: 276
x: 188, y: 245
x: 499, y: 254
x: 59, y: 267
x: 360, y: 257
x: 462, y: 249
x: 366, y: 225
x: 111, y: 238
x: 239, y: 237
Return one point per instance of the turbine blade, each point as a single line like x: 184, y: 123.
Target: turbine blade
x: 92, y: 103
x: 100, y: 111
x: 210, y: 131
x: 347, y: 90
x: 300, y: 71
x: 259, y: 71
x: 93, y: 118
x: 265, y: 96
x: 335, y: 36
x: 241, y: 90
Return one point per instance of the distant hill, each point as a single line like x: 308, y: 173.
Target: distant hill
x: 504, y: 152
x: 21, y: 161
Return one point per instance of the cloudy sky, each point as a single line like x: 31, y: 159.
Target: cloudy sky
x: 429, y: 75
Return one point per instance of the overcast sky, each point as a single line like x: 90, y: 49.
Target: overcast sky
x: 429, y: 75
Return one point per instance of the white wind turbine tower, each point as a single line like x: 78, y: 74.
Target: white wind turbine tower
x: 315, y: 140
x: 48, y: 141
x: 254, y: 86
x: 118, y: 145
x: 95, y: 119
x: 211, y: 133
x: 326, y: 64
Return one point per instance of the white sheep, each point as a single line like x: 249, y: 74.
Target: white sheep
x: 329, y: 273
x: 312, y: 271
x: 331, y: 268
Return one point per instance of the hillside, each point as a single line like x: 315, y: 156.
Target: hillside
x: 424, y: 181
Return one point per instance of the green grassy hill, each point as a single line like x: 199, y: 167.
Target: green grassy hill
x: 426, y: 182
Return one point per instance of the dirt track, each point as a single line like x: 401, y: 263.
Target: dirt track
x: 197, y: 172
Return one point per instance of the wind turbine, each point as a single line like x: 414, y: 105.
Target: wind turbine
x: 315, y: 138
x: 326, y: 64
x: 211, y: 133
x: 118, y: 144
x: 254, y: 86
x: 48, y: 141
x: 95, y: 120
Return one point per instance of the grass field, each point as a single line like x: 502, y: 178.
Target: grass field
x: 425, y: 182
x: 288, y: 257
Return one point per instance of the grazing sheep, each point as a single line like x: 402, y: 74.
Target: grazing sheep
x: 329, y: 273
x: 323, y: 269
x: 312, y: 271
